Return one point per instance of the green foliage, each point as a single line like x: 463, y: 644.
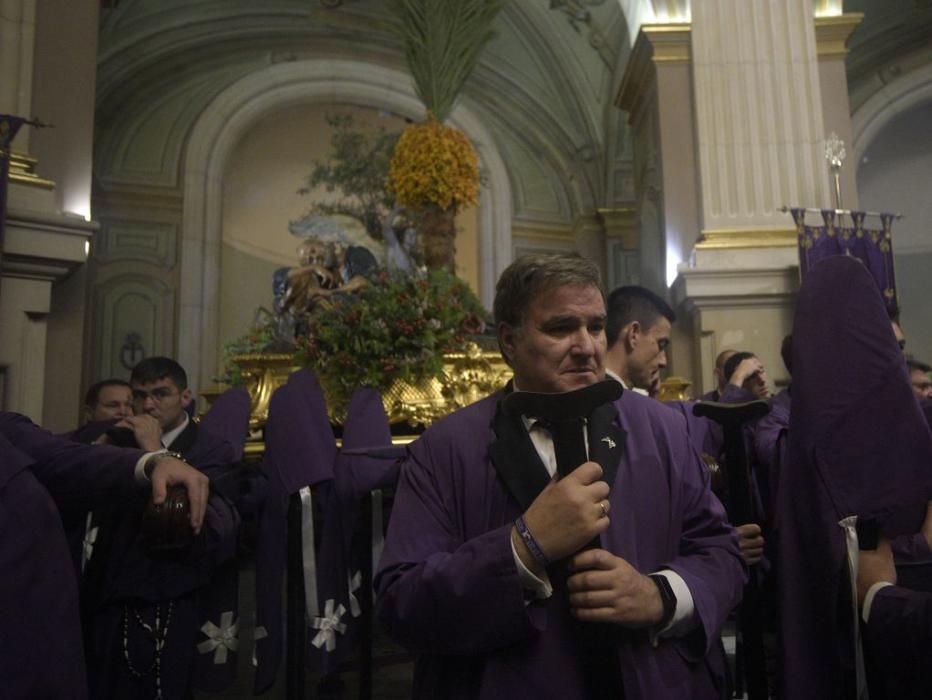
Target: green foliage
x: 396, y: 329
x: 357, y: 168
x: 443, y: 40
x: 261, y: 334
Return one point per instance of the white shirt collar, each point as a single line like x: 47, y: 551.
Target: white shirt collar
x: 169, y: 437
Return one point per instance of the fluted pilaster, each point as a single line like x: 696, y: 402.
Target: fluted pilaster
x: 759, y: 118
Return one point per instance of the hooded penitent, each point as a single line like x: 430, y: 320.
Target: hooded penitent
x: 859, y: 447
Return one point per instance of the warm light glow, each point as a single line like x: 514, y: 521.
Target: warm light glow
x: 87, y: 248
x: 79, y: 204
x: 828, y: 8
x: 669, y: 12
x: 674, y: 258
x: 664, y: 17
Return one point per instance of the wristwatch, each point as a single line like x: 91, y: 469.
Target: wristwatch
x: 667, y: 597
x: 156, y: 458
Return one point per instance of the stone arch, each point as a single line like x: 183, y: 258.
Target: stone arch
x: 228, y: 118
x: 889, y: 101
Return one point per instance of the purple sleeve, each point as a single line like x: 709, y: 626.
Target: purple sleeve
x: 439, y: 591
x: 83, y: 475
x: 708, y: 559
x: 911, y: 548
x: 898, y: 641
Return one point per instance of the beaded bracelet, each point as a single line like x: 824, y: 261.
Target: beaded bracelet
x: 532, y: 544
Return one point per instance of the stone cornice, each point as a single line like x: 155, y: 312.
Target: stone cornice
x: 832, y: 34
x: 656, y: 44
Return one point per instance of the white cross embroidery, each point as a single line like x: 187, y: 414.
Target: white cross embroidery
x: 221, y: 638
x: 329, y: 625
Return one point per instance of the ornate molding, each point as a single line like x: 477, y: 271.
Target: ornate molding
x: 833, y: 32
x: 23, y: 171
x: 621, y: 223
x: 717, y: 239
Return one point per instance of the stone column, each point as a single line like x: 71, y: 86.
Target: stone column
x: 17, y: 40
x: 832, y: 34
x: 657, y: 93
x: 752, y: 95
x: 47, y: 69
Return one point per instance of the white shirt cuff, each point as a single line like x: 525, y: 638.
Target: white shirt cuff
x: 541, y: 588
x: 140, y: 472
x: 684, y: 619
x: 869, y: 598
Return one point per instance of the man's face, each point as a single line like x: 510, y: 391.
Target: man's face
x: 922, y: 385
x: 758, y: 384
x: 648, y: 354
x: 114, y: 402
x: 163, y: 401
x: 561, y: 344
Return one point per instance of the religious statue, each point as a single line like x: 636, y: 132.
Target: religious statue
x: 400, y: 251
x: 325, y: 269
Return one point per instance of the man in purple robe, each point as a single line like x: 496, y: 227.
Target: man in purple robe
x: 40, y: 638
x: 486, y: 572
x: 858, y: 469
x: 129, y: 590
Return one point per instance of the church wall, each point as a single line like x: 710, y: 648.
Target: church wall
x: 893, y: 176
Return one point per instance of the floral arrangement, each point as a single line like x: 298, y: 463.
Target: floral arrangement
x: 434, y: 164
x: 261, y: 335
x: 396, y: 329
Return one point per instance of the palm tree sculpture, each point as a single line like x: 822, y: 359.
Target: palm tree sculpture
x: 435, y: 169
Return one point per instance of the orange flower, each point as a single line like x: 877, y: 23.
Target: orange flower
x: 436, y: 165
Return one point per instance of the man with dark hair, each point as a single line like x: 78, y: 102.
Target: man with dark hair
x: 160, y: 390
x: 132, y: 588
x: 745, y: 370
x: 637, y: 329
x: 487, y: 570
x: 919, y: 378
x: 108, y: 400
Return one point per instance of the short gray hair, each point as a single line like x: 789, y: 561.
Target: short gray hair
x: 530, y: 275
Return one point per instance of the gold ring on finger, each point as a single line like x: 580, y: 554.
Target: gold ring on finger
x: 603, y: 509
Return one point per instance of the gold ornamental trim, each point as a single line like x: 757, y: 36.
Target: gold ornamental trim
x: 467, y: 377
x: 23, y: 171
x: 832, y: 33
x: 674, y: 389
x: 718, y: 239
x: 670, y: 42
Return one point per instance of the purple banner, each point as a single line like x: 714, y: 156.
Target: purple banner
x: 872, y: 245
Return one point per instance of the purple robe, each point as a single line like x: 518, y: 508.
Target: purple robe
x: 769, y: 442
x: 228, y: 418
x: 448, y: 586
x: 342, y: 559
x: 300, y: 452
x: 124, y: 579
x: 898, y: 639
x: 41, y: 652
x: 858, y: 446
